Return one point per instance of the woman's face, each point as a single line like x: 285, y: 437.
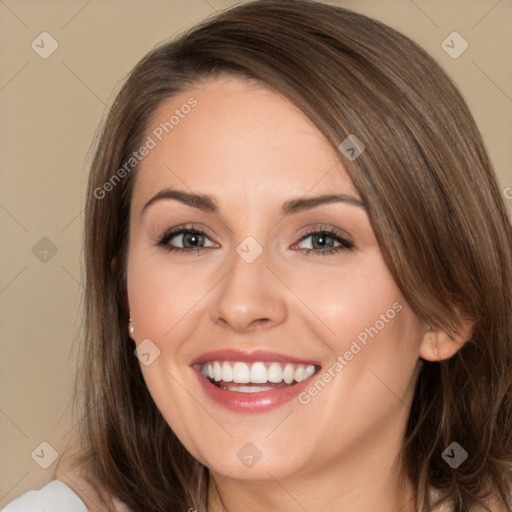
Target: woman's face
x: 269, y: 286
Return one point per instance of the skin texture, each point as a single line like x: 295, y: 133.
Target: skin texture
x: 252, y: 150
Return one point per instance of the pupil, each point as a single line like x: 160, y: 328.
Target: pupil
x: 322, y: 238
x: 189, y: 236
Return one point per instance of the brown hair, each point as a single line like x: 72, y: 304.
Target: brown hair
x: 434, y: 204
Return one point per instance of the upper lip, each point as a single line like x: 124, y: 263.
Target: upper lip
x: 252, y: 356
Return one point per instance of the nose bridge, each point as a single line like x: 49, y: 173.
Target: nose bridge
x: 249, y: 294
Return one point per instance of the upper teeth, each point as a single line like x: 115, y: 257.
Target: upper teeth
x: 256, y: 373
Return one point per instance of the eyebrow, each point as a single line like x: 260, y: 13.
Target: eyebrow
x: 207, y: 203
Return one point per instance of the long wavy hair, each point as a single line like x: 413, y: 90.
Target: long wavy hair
x: 434, y: 204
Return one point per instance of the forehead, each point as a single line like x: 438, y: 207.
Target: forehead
x: 240, y: 141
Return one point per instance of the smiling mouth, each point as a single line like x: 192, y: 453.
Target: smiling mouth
x: 255, y: 377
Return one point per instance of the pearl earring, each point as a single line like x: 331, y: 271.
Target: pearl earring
x: 130, y: 325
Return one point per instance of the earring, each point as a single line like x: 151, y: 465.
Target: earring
x: 130, y: 324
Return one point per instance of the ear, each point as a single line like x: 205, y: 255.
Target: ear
x: 439, y: 345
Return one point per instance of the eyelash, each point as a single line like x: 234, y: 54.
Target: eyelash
x: 344, y: 243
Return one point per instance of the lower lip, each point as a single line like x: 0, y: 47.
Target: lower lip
x: 262, y: 401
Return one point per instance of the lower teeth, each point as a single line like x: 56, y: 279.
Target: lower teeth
x: 247, y: 389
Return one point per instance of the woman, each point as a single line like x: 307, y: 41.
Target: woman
x: 299, y: 272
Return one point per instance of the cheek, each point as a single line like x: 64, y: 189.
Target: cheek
x: 373, y: 340
x: 355, y: 302
x: 156, y: 296
x: 167, y: 299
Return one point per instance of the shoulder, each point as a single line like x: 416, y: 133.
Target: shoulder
x: 82, y: 480
x: 55, y: 496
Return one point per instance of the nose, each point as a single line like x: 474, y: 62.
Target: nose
x: 249, y: 297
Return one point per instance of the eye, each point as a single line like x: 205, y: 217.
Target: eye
x: 323, y: 242
x: 190, y: 238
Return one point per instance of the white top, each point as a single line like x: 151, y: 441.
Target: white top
x: 55, y: 496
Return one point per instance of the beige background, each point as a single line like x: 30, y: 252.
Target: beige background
x: 49, y: 111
